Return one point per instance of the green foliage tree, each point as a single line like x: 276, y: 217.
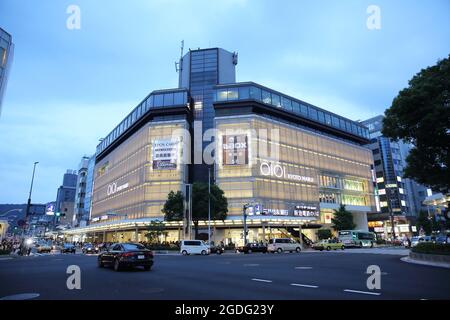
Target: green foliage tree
x: 343, y: 219
x: 420, y: 115
x: 423, y: 222
x: 219, y: 204
x: 155, y: 230
x: 324, y: 234
x: 173, y: 207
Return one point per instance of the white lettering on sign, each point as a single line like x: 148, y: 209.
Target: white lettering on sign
x: 280, y: 171
x: 113, y: 188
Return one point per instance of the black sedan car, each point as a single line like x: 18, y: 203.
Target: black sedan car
x: 217, y: 249
x: 89, y: 248
x: 68, y: 248
x: 121, y: 255
x: 252, y: 247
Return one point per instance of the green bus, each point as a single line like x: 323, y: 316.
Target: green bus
x: 357, y: 238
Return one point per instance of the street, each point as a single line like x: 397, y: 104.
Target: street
x: 308, y: 275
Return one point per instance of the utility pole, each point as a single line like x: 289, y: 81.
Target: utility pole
x: 27, y: 212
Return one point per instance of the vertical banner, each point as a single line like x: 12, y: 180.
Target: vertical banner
x: 235, y: 149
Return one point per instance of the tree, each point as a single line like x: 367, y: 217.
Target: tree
x: 343, y: 219
x: 155, y: 230
x: 423, y: 222
x: 219, y: 204
x: 420, y: 115
x: 324, y: 234
x: 173, y: 208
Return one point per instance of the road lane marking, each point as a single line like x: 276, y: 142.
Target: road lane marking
x: 303, y: 268
x: 251, y: 264
x: 304, y: 285
x: 9, y: 258
x: 362, y: 292
x: 21, y: 296
x: 261, y: 280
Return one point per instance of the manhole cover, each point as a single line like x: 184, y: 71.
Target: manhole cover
x: 21, y: 296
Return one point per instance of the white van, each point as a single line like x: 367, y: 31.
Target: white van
x: 194, y: 247
x: 283, y: 244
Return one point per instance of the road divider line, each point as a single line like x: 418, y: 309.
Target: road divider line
x: 363, y: 292
x: 303, y: 268
x: 304, y: 285
x: 261, y: 280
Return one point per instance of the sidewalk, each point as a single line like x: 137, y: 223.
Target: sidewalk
x: 426, y: 263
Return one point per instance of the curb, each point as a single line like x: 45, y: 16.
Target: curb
x: 426, y: 263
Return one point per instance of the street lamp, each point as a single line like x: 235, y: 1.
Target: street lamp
x: 27, y: 212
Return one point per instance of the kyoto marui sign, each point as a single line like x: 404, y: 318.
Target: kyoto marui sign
x: 278, y: 170
x: 114, y: 188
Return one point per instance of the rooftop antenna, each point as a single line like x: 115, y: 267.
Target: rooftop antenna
x: 179, y: 65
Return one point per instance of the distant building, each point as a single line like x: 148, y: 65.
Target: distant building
x: 83, y: 191
x: 401, y: 195
x: 6, y: 56
x: 65, y: 198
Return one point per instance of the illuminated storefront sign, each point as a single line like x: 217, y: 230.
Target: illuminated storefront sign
x: 275, y: 212
x: 306, y: 211
x: 235, y: 149
x: 50, y: 209
x: 279, y: 171
x: 165, y: 154
x: 113, y: 188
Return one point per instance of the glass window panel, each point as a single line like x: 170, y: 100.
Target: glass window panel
x: 244, y: 92
x: 158, y: 100
x: 168, y: 99
x: 266, y: 97
x: 327, y: 119
x: 276, y: 100
x: 354, y: 130
x: 233, y: 94
x: 286, y: 103
x: 296, y: 107
x: 313, y: 113
x: 255, y: 93
x: 321, y: 116
x: 342, y: 124
x: 304, y: 109
x: 178, y: 98
x: 335, y: 121
x: 222, y: 95
x: 150, y: 102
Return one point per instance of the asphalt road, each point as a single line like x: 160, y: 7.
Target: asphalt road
x: 316, y: 275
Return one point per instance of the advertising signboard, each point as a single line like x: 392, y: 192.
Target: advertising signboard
x: 165, y: 154
x: 235, y: 149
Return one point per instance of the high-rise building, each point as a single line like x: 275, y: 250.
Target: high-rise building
x: 397, y: 194
x: 291, y: 161
x: 6, y: 57
x: 65, y: 199
x: 80, y: 193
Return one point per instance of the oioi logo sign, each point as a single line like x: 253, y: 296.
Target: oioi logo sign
x: 279, y: 171
x: 113, y: 188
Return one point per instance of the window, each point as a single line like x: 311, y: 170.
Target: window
x: 168, y: 99
x: 286, y: 104
x: 244, y: 92
x: 313, y: 113
x: 232, y: 94
x: 158, y: 100
x: 222, y: 95
x: 255, y: 93
x: 327, y: 119
x: 276, y: 100
x: 266, y: 98
x: 295, y: 107
x: 321, y: 116
x: 304, y: 109
x: 178, y: 98
x: 335, y: 121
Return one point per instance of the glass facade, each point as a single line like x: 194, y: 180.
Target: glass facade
x: 6, y: 56
x: 253, y: 91
x: 309, y: 169
x: 157, y: 99
x: 133, y: 180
